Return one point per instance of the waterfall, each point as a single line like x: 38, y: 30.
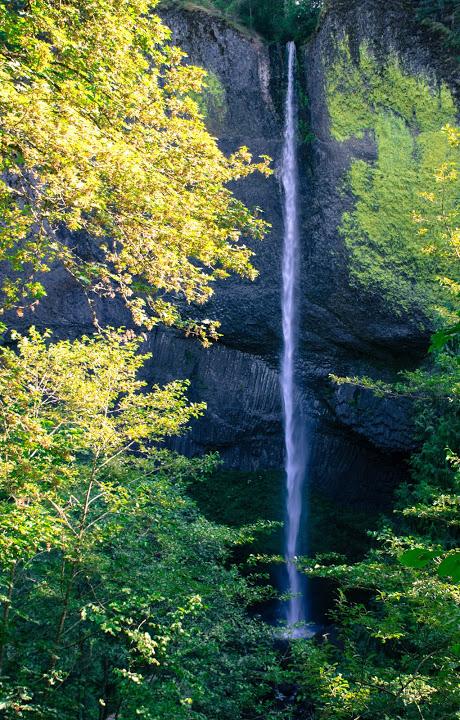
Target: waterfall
x: 294, y: 433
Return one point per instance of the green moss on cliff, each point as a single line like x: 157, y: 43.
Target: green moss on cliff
x: 212, y: 101
x: 360, y: 94
x: 405, y: 116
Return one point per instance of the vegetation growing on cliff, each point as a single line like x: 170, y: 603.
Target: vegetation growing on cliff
x: 212, y: 101
x: 405, y: 118
x: 275, y: 20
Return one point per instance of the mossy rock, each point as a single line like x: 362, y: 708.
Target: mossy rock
x: 404, y: 115
x: 212, y: 102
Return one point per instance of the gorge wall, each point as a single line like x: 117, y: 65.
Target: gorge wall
x: 349, y: 327
x: 350, y: 324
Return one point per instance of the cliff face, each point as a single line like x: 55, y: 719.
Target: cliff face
x: 349, y: 325
x: 352, y: 320
x: 238, y: 378
x: 363, y: 311
x: 379, y: 91
x: 373, y: 81
x: 240, y: 111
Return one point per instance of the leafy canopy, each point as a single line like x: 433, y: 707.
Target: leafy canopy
x: 117, y: 595
x: 275, y: 20
x: 101, y: 133
x: 118, y: 598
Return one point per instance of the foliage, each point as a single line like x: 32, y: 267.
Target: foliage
x: 212, y: 101
x: 119, y: 599
x: 399, y: 649
x: 100, y: 132
x: 410, y: 123
x: 275, y: 20
x: 115, y: 591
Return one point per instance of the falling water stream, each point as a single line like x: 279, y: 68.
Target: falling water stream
x: 294, y: 428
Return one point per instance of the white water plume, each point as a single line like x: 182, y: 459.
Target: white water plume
x: 294, y: 427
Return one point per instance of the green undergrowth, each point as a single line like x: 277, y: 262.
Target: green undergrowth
x: 238, y: 498
x: 340, y: 528
x: 405, y: 117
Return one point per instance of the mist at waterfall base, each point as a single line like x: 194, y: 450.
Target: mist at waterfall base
x: 295, y: 433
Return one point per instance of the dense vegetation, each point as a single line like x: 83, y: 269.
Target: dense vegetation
x: 275, y: 20
x: 119, y: 598
x: 283, y: 20
x: 116, y: 595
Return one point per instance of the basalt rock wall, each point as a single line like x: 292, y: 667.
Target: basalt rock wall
x: 377, y: 83
x: 358, y: 442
